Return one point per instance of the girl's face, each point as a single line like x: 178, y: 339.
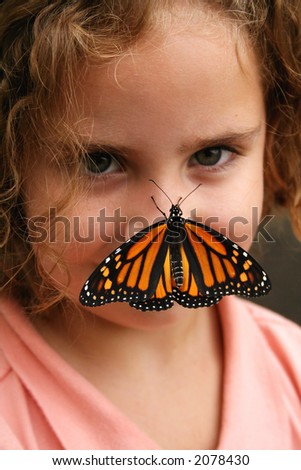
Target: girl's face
x: 182, y: 109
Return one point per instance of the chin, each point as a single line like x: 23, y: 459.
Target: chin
x: 121, y: 314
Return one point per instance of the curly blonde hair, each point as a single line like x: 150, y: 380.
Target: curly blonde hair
x: 42, y: 45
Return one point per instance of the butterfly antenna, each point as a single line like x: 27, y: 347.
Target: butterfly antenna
x: 163, y: 213
x: 182, y: 200
x: 162, y: 192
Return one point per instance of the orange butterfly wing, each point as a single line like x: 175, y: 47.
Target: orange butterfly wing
x: 166, y: 292
x: 131, y: 273
x: 220, y: 266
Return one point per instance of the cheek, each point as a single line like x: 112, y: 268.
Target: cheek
x: 244, y: 215
x: 234, y: 207
x: 242, y: 228
x: 76, y: 243
x: 69, y: 245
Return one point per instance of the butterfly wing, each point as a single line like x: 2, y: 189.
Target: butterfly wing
x: 166, y: 291
x: 221, y: 267
x: 162, y: 297
x: 189, y: 294
x: 130, y: 273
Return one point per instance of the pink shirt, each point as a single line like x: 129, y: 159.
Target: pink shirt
x: 45, y: 404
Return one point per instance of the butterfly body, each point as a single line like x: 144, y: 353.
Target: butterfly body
x: 176, y: 259
x: 176, y: 265
x: 175, y: 235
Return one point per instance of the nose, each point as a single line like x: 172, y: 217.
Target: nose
x: 152, y: 201
x: 177, y: 193
x: 167, y: 189
x: 166, y: 180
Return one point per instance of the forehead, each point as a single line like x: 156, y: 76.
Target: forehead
x: 204, y: 63
x: 218, y: 34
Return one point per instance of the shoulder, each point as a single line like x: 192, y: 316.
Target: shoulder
x: 9, y: 388
x: 5, y: 368
x: 262, y: 375
x: 279, y: 336
x: 8, y: 376
x: 276, y: 328
x: 9, y: 380
x: 266, y: 317
x: 279, y: 331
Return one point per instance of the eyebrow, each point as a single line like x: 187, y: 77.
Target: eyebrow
x: 229, y: 137
x: 226, y: 138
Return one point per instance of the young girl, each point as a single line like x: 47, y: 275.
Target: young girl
x: 96, y: 99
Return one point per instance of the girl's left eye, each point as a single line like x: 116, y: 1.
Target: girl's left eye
x: 100, y: 163
x: 213, y: 156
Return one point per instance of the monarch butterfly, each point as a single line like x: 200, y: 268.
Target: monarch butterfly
x: 175, y: 259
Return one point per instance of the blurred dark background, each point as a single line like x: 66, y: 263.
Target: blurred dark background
x: 282, y: 261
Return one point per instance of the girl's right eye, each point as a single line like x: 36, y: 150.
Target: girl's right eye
x: 100, y: 163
